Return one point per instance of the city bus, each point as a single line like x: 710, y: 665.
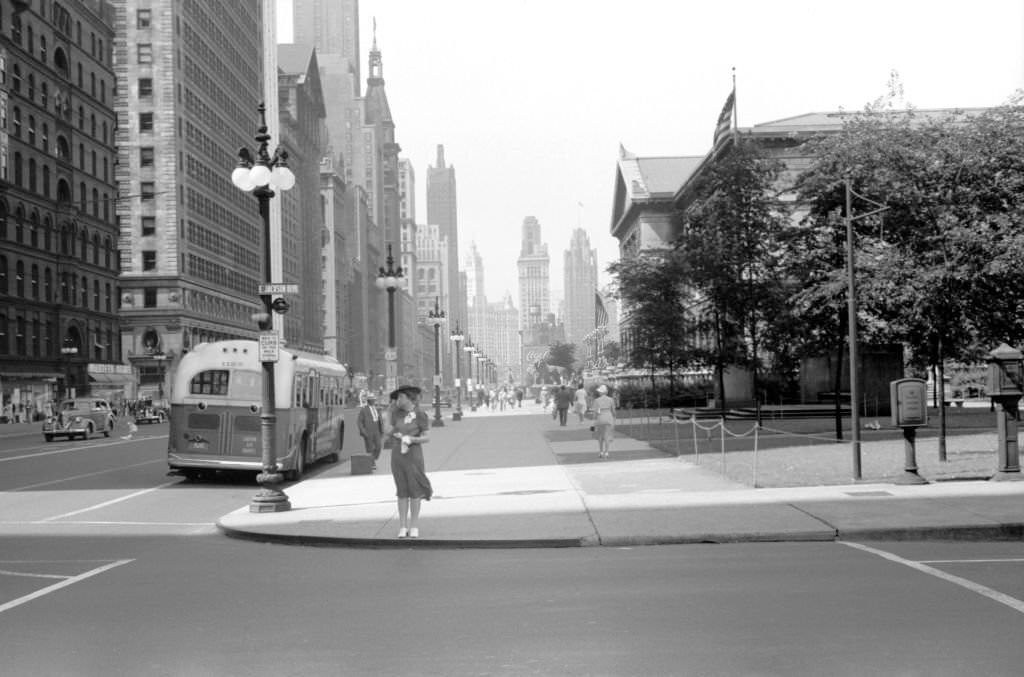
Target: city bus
x: 216, y: 400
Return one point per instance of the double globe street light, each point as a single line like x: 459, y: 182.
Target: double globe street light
x: 436, y: 318
x: 260, y: 175
x: 391, y: 279
x: 457, y: 337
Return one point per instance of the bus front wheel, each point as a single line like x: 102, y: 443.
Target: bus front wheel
x: 300, y: 462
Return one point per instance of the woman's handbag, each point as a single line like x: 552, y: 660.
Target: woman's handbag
x: 590, y: 414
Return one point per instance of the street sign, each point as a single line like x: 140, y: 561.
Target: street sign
x: 391, y: 369
x: 278, y: 288
x: 390, y: 354
x: 437, y: 380
x: 269, y: 348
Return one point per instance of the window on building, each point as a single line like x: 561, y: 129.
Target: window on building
x: 146, y: 156
x: 149, y: 260
x: 16, y: 79
x: 146, y: 122
x: 147, y: 190
x: 143, y: 18
x: 19, y: 279
x: 145, y: 87
x: 148, y: 226
x: 149, y: 298
x: 145, y: 53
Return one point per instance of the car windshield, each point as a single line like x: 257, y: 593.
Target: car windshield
x: 69, y: 404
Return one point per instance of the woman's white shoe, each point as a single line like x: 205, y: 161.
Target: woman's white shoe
x: 414, y: 533
x: 403, y: 532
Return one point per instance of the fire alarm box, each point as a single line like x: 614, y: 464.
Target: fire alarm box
x: 909, y: 398
x: 1004, y: 372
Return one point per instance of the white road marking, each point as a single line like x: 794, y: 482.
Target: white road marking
x: 997, y: 560
x: 985, y: 591
x: 88, y: 474
x: 112, y: 501
x: 5, y: 572
x: 63, y: 584
x: 80, y: 447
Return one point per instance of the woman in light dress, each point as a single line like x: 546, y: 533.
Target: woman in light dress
x: 604, y: 423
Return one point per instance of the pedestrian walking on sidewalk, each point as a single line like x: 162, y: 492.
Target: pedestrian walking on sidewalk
x: 604, y: 423
x: 581, y: 402
x: 405, y: 437
x: 563, y: 400
x: 371, y: 426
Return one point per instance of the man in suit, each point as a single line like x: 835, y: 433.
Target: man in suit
x: 371, y: 426
x: 563, y: 400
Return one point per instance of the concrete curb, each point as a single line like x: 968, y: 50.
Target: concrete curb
x: 1001, y: 532
x: 399, y: 543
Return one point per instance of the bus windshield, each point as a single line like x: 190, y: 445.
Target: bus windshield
x: 235, y: 384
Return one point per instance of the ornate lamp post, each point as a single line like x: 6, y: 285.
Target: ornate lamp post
x: 69, y: 349
x: 457, y: 337
x: 470, y: 353
x: 436, y: 318
x: 261, y: 175
x: 391, y: 279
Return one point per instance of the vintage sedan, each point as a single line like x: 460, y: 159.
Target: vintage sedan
x: 146, y: 411
x: 81, y: 416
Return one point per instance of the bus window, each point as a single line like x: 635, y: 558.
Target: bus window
x: 246, y: 385
x: 212, y: 382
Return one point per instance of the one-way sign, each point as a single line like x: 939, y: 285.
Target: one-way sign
x: 278, y: 288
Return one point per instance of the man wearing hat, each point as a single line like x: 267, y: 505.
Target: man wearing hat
x: 371, y: 427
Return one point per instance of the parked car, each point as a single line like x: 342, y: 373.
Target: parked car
x: 82, y: 416
x: 146, y: 411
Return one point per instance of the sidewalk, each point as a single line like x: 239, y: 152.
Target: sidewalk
x: 518, y: 479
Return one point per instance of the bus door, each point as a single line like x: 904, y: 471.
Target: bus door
x: 311, y: 404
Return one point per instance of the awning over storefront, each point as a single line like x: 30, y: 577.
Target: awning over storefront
x: 115, y: 379
x: 33, y: 377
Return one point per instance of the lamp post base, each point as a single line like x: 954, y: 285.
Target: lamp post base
x: 437, y: 422
x: 910, y: 477
x: 456, y: 415
x: 270, y: 500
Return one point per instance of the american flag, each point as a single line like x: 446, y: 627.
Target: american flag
x: 725, y: 117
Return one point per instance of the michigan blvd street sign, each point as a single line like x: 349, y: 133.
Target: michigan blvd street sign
x: 278, y: 288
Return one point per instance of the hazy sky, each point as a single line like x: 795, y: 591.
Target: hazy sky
x: 531, y: 98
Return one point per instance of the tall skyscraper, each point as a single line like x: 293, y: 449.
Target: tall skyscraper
x: 476, y: 299
x: 580, y: 271
x: 189, y: 82
x: 534, y: 271
x: 332, y: 26
x: 442, y: 212
x: 58, y: 230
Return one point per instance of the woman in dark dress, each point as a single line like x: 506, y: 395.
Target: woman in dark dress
x: 407, y: 434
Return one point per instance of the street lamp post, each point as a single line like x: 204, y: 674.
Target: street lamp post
x: 457, y: 337
x: 436, y: 318
x: 261, y: 175
x: 68, y: 349
x: 470, y: 353
x: 391, y: 279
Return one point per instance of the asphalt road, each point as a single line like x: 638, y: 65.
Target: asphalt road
x: 109, y: 567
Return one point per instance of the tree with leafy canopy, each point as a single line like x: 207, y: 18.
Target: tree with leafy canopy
x: 562, y: 355
x: 940, y: 270
x: 652, y: 288
x: 731, y: 253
